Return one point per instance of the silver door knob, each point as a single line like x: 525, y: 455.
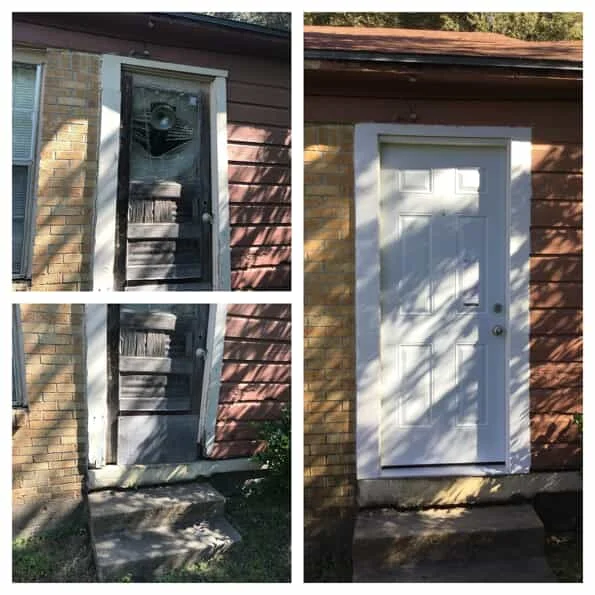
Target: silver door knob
x: 207, y: 218
x: 498, y: 330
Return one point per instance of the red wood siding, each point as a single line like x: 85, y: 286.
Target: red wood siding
x: 256, y: 376
x: 556, y: 215
x: 259, y: 141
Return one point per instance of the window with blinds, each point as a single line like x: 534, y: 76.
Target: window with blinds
x: 25, y: 112
x: 18, y: 366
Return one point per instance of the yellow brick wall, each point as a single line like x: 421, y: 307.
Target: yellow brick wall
x: 66, y: 173
x: 50, y: 435
x: 329, y: 325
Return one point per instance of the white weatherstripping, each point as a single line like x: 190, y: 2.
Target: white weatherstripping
x: 109, y: 149
x: 96, y: 378
x: 517, y: 145
x: 97, y: 381
x: 212, y: 381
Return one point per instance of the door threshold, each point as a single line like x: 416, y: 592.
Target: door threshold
x: 444, y: 470
x: 132, y: 476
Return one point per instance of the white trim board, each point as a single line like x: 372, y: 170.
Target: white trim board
x: 109, y: 148
x: 517, y: 143
x: 96, y: 360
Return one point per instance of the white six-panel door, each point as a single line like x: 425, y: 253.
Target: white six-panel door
x: 443, y: 284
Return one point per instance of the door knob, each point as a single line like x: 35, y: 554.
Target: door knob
x: 498, y: 330
x: 207, y: 218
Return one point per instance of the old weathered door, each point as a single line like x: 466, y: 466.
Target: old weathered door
x: 157, y: 355
x: 443, y: 299
x: 163, y: 235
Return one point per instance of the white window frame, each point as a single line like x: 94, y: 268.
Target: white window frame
x: 517, y: 144
x: 37, y: 59
x: 19, y: 389
x: 107, y: 184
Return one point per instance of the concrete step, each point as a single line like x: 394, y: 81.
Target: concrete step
x: 142, y: 555
x: 525, y: 570
x: 164, y: 506
x: 386, y: 539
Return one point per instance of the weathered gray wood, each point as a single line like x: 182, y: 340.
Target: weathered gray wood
x: 154, y: 439
x: 142, y: 231
x: 155, y: 190
x: 163, y: 321
x: 156, y: 365
x: 165, y: 271
x: 155, y: 404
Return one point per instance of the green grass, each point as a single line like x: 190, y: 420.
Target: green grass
x: 263, y: 555
x: 62, y: 557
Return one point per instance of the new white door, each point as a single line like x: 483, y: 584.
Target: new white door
x: 443, y: 284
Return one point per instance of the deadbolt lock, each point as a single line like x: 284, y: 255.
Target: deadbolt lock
x: 498, y: 308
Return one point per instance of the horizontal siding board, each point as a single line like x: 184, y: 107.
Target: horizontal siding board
x: 259, y: 154
x: 155, y: 365
x: 556, y: 268
x: 556, y: 241
x: 236, y: 449
x: 246, y: 258
x: 272, y: 278
x: 258, y: 215
x: 247, y: 328
x: 566, y: 126
x: 258, y: 114
x: 557, y: 157
x: 553, y: 428
x: 556, y: 322
x: 282, y: 311
x: 252, y: 372
x: 237, y: 392
x: 553, y: 213
x: 260, y: 236
x: 259, y: 174
x: 556, y: 400
x: 237, y: 430
x: 557, y: 186
x: 556, y: 349
x: 257, y: 351
x: 556, y: 375
x: 259, y: 94
x: 551, y: 457
x: 261, y: 411
x: 255, y: 193
x: 556, y: 295
x: 252, y: 133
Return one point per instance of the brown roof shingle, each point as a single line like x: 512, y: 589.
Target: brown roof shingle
x: 456, y: 43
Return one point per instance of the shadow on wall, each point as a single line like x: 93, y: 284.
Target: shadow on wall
x: 50, y: 437
x: 555, y: 372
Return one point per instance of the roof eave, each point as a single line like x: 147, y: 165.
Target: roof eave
x: 534, y: 64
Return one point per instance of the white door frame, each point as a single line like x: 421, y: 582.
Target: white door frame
x: 517, y: 202
x: 96, y: 357
x: 109, y: 150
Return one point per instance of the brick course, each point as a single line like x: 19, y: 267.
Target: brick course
x: 66, y: 173
x: 49, y: 435
x: 329, y: 327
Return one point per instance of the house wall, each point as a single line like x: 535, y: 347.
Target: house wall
x: 259, y: 138
x: 255, y: 378
x: 66, y: 173
x: 49, y: 437
x: 555, y: 279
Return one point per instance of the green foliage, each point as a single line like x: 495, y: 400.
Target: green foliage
x: 530, y: 26
x: 277, y: 453
x: 578, y: 420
